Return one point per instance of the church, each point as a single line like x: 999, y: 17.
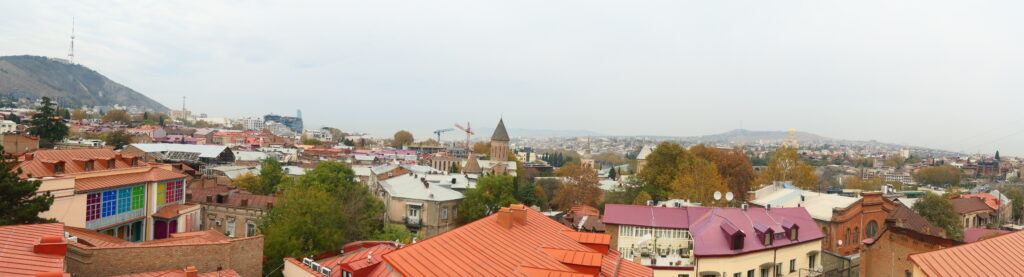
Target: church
x: 498, y: 162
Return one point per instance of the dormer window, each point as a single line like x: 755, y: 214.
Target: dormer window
x: 58, y: 168
x: 110, y: 163
x: 90, y: 165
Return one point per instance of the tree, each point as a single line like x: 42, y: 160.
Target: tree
x: 733, y: 165
x: 321, y: 212
x: 642, y: 198
x: 939, y: 211
x: 580, y: 187
x: 402, y: 138
x: 79, y: 114
x: 19, y: 202
x: 271, y: 177
x: 697, y: 181
x: 938, y: 175
x: 117, y: 116
x: 662, y: 168
x: 785, y: 165
x: 47, y: 125
x: 491, y: 193
x: 248, y: 182
x: 393, y: 232
x: 118, y: 139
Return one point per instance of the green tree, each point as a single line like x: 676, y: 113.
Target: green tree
x: 491, y: 193
x: 271, y: 177
x: 19, y: 203
x: 47, y: 125
x: 785, y: 165
x: 393, y: 232
x: 938, y: 175
x: 939, y: 211
x: 321, y: 212
x: 118, y: 139
x: 402, y: 138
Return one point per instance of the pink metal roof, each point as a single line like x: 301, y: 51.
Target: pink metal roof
x: 662, y: 217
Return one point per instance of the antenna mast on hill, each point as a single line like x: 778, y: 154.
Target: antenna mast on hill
x: 71, y: 51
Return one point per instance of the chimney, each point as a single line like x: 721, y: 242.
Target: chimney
x: 191, y: 271
x: 518, y: 213
x: 245, y: 202
x: 53, y: 245
x: 505, y: 218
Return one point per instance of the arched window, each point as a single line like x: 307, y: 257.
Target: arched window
x: 871, y: 230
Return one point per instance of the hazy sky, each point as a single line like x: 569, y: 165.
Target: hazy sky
x: 944, y: 74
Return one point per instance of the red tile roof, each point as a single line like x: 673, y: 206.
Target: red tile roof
x: 154, y: 174
x: 181, y: 273
x: 998, y: 256
x: 973, y: 234
x: 486, y: 248
x: 17, y: 255
x: 662, y: 217
x: 40, y: 163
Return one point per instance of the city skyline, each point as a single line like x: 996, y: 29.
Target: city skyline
x: 939, y: 76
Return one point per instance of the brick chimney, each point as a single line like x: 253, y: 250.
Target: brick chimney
x: 518, y: 213
x: 191, y: 271
x: 53, y: 245
x: 505, y: 218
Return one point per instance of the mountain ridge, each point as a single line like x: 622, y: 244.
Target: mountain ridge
x: 71, y: 85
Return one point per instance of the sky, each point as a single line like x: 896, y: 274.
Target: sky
x: 941, y: 74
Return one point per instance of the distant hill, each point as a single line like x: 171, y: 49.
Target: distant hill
x: 537, y: 133
x: 69, y: 84
x: 749, y: 136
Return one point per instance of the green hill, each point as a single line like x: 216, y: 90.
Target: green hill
x: 69, y: 84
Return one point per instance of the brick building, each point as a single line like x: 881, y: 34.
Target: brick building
x: 229, y: 210
x: 96, y: 254
x: 904, y: 233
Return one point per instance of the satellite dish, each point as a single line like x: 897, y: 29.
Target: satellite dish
x: 728, y: 196
x: 718, y: 195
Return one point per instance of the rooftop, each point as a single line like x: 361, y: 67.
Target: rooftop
x: 998, y: 256
x: 515, y: 241
x: 18, y: 253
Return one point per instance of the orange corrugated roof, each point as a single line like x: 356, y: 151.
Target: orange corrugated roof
x: 997, y: 256
x: 584, y: 258
x: 17, y: 257
x: 179, y: 272
x: 40, y: 162
x: 154, y: 174
x: 540, y: 272
x: 590, y: 238
x: 485, y: 248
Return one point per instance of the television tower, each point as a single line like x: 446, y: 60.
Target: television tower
x: 71, y: 51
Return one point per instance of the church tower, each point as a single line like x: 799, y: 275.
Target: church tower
x: 499, y: 143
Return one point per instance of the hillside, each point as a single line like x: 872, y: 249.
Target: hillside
x: 69, y: 84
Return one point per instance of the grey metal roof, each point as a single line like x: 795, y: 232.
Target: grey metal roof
x: 408, y: 186
x: 205, y: 151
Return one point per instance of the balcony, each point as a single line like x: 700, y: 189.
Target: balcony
x: 413, y: 222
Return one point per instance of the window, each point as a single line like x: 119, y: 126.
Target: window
x: 110, y: 163
x: 871, y: 230
x: 792, y: 265
x: 444, y: 213
x: 231, y: 227
x: 89, y: 166
x: 811, y: 259
x: 250, y: 228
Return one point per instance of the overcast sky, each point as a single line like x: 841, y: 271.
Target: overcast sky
x: 944, y: 74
